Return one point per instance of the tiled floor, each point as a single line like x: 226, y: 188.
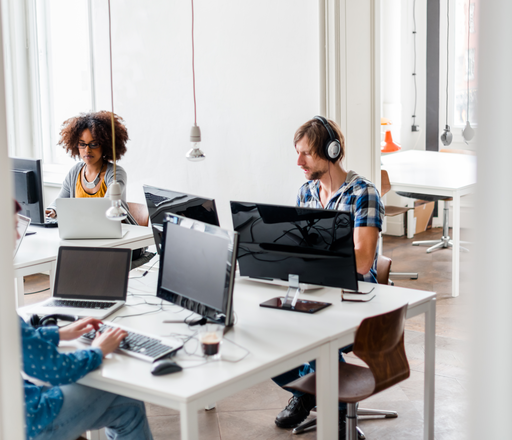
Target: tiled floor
x: 250, y: 414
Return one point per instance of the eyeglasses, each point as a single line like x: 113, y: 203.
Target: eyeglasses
x: 83, y: 145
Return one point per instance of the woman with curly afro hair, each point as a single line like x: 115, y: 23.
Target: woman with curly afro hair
x: 89, y: 137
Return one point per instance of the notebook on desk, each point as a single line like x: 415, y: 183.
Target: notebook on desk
x: 89, y: 281
x: 85, y: 218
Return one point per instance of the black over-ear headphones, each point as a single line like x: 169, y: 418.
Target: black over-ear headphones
x: 332, y: 148
x: 36, y: 321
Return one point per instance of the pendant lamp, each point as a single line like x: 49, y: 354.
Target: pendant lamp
x: 116, y: 212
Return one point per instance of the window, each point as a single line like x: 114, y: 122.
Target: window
x: 464, y: 60
x: 62, y: 69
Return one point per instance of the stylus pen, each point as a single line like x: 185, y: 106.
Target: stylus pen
x: 174, y: 321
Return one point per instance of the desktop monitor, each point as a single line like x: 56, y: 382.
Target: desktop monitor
x: 197, y: 267
x: 277, y: 241
x: 161, y: 201
x: 28, y: 188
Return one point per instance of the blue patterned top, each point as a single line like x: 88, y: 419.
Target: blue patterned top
x: 42, y: 360
x: 358, y: 196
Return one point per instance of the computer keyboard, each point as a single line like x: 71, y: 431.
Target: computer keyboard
x: 102, y: 305
x: 145, y: 347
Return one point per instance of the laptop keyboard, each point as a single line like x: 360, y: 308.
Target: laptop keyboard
x: 141, y: 346
x: 100, y: 305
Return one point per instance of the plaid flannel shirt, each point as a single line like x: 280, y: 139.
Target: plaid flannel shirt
x: 358, y: 196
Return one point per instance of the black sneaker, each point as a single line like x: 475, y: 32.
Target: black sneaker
x: 296, y: 411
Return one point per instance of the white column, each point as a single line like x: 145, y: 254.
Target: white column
x: 491, y: 323
x: 350, y: 79
x: 11, y: 403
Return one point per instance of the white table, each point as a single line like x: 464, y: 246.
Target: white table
x: 277, y: 340
x: 38, y: 252
x: 441, y: 174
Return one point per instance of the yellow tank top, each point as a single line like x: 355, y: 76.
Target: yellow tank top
x: 80, y: 192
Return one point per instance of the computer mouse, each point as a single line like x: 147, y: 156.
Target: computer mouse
x: 165, y: 366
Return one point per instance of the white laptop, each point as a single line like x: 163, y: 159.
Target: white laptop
x: 89, y: 281
x: 23, y: 223
x: 85, y: 218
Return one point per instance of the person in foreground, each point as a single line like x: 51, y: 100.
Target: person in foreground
x: 89, y: 137
x: 320, y: 147
x: 63, y: 410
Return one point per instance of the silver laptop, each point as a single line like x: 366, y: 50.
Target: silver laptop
x: 84, y: 218
x: 23, y: 223
x: 89, y: 281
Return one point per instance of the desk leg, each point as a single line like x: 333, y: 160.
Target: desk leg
x: 327, y: 392
x: 189, y: 422
x: 20, y: 292
x: 456, y: 246
x: 411, y: 224
x: 430, y: 365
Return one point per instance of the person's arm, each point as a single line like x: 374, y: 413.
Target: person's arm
x: 42, y: 360
x: 65, y: 192
x: 368, y: 216
x: 365, y: 246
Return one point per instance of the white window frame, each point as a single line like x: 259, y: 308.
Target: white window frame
x: 28, y: 122
x: 458, y: 141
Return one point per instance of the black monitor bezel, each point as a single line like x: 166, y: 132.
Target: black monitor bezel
x: 244, y: 272
x: 31, y: 165
x: 226, y: 317
x: 157, y: 228
x: 92, y: 250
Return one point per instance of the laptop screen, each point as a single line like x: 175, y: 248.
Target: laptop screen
x: 92, y: 273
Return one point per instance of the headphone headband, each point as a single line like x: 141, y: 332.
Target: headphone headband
x: 332, y: 148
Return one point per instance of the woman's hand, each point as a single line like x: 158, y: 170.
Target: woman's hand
x: 109, y: 340
x: 50, y: 213
x: 78, y: 328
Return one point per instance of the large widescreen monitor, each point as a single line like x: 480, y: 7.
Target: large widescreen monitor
x: 197, y: 267
x: 278, y: 241
x: 28, y: 188
x: 161, y: 201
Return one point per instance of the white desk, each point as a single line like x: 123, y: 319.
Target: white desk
x: 440, y: 174
x: 38, y: 252
x: 277, y: 340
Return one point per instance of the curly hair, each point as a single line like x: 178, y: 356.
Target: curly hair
x: 100, y: 125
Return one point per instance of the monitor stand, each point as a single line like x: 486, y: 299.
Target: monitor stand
x: 304, y: 287
x: 294, y: 304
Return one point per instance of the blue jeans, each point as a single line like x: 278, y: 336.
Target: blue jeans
x: 87, y: 409
x: 283, y: 379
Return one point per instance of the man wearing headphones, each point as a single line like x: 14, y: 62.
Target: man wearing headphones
x: 320, y: 147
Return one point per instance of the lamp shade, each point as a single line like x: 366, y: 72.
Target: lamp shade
x: 388, y: 146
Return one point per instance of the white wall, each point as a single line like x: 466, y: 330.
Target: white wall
x: 256, y: 83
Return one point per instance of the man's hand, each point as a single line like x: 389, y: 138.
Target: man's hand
x: 109, y: 340
x: 78, y: 328
x: 50, y: 213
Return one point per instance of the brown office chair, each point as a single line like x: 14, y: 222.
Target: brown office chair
x: 379, y: 342
x: 392, y: 211
x: 383, y: 269
x: 139, y: 212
